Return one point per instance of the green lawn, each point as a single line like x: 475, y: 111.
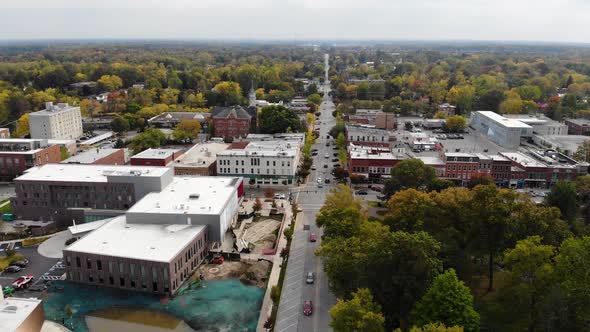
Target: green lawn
x: 6, y: 208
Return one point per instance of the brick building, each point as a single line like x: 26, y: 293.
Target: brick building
x: 372, y: 162
x: 98, y: 157
x: 578, y: 126
x: 18, y: 155
x: 231, y: 122
x: 362, y: 135
x: 156, y: 157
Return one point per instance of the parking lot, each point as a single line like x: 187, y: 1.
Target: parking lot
x: 41, y: 268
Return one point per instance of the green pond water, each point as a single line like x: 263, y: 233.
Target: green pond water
x: 224, y: 305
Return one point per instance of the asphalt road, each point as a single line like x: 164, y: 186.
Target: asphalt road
x: 38, y: 267
x: 302, y: 256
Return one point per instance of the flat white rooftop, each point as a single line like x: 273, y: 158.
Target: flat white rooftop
x: 278, y: 148
x: 506, y: 122
x: 87, y: 173
x: 89, y: 156
x: 151, y: 242
x: 523, y: 159
x: 15, y: 310
x: 429, y: 160
x: 55, y: 109
x: 201, y: 155
x: 190, y: 195
x: 156, y: 153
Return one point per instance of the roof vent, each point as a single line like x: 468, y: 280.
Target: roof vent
x: 194, y: 196
x: 11, y: 309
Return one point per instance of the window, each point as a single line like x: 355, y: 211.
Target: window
x: 122, y: 282
x: 68, y: 262
x: 132, y: 270
x: 98, y: 264
x: 120, y: 267
x: 77, y: 261
x: 88, y: 263
x: 110, y: 267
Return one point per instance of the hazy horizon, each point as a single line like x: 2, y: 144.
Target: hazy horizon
x: 528, y: 21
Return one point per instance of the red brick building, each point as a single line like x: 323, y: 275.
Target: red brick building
x: 578, y: 126
x: 461, y: 166
x: 372, y: 162
x: 18, y: 155
x: 231, y: 122
x: 156, y: 157
x: 98, y: 157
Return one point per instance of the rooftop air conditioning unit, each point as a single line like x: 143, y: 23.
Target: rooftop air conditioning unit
x: 194, y: 196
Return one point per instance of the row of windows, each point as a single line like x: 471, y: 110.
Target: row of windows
x: 228, y: 170
x: 254, y: 162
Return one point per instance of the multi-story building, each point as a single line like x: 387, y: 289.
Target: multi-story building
x: 161, y: 241
x: 541, y: 124
x: 20, y: 314
x: 18, y: 155
x: 372, y: 162
x: 377, y: 118
x: 265, y: 160
x: 171, y: 119
x: 461, y: 166
x: 447, y: 109
x: 500, y: 130
x: 231, y: 122
x: 578, y: 126
x: 201, y: 159
x: 364, y: 135
x: 98, y: 156
x: 60, y: 121
x: 66, y: 192
x: 156, y: 157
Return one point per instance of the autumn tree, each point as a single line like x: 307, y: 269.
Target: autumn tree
x: 229, y: 93
x: 22, y: 125
x: 409, y: 173
x: 314, y: 99
x: 512, y: 104
x: 455, y: 123
x: 187, y: 130
x: 109, y: 83
x: 360, y: 313
x: 120, y: 125
x: 149, y: 139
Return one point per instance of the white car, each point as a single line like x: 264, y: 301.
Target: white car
x: 319, y: 180
x: 313, y: 168
x: 279, y: 196
x: 326, y: 155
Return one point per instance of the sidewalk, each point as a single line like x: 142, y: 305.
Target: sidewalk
x: 273, y: 279
x: 29, y: 238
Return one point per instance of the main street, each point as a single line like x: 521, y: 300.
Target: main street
x: 302, y: 257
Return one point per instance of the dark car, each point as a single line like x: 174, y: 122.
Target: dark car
x: 336, y: 154
x: 20, y: 263
x: 327, y: 181
x: 312, y: 237
x: 335, y: 160
x: 328, y: 144
x: 361, y: 192
x: 13, y: 269
x: 325, y: 165
x: 307, y: 308
x: 328, y: 136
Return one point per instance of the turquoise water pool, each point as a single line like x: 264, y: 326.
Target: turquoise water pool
x: 225, y: 305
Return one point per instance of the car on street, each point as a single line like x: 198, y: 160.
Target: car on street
x: 279, y: 196
x: 327, y: 181
x: 310, y: 278
x: 313, y: 168
x: 20, y: 263
x: 335, y: 160
x: 13, y: 269
x: 22, y: 282
x: 325, y: 165
x: 326, y: 156
x: 217, y: 260
x: 7, y: 291
x: 319, y: 180
x: 541, y: 194
x: 361, y: 192
x: 307, y: 308
x: 328, y: 136
x: 312, y: 237
x: 328, y: 144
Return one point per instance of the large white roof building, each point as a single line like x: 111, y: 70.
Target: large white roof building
x: 60, y: 121
x: 503, y: 131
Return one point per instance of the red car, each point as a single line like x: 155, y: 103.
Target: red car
x: 22, y: 282
x: 217, y: 260
x: 307, y: 308
x: 312, y: 237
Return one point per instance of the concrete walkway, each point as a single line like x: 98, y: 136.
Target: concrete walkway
x: 273, y: 278
x: 49, y: 326
x: 52, y: 247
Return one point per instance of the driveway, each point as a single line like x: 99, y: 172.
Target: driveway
x: 38, y: 266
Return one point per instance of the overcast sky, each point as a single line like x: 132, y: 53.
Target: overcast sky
x: 521, y: 20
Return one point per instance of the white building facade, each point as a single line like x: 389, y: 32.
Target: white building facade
x: 499, y: 129
x: 60, y: 121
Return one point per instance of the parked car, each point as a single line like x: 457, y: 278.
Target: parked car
x: 217, y: 260
x: 325, y: 165
x: 312, y: 237
x: 20, y: 263
x: 328, y: 144
x: 310, y: 278
x: 307, y: 308
x: 22, y: 282
x: 7, y: 291
x: 335, y: 160
x: 326, y: 156
x: 313, y: 168
x: 13, y: 269
x: 319, y: 180
x: 328, y: 136
x: 327, y: 181
x: 361, y: 192
x: 279, y: 196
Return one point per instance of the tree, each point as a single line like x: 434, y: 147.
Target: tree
x: 434, y: 328
x: 314, y: 99
x: 119, y: 144
x: 408, y: 210
x: 257, y: 205
x: 64, y: 153
x: 229, y: 93
x: 109, y: 83
x: 409, y: 173
x: 120, y: 125
x: 440, y: 115
x: 512, y: 104
x: 563, y: 196
x: 342, y: 214
x: 531, y: 276
x: 187, y: 130
x: 149, y: 139
x: 278, y: 119
x: 337, y: 129
x: 483, y: 179
x: 456, y: 123
x: 22, y: 125
x: 359, y: 314
x: 447, y: 301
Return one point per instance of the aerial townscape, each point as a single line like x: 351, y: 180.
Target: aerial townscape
x: 182, y: 167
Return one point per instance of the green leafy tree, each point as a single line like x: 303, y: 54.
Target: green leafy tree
x: 120, y: 125
x: 109, y: 83
x: 64, y: 154
x: 531, y: 276
x: 229, y: 93
x: 409, y: 173
x: 337, y: 129
x: 278, y: 119
x: 314, y: 99
x: 150, y: 138
x: 563, y: 196
x: 434, y: 328
x: 447, y: 301
x: 359, y: 314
